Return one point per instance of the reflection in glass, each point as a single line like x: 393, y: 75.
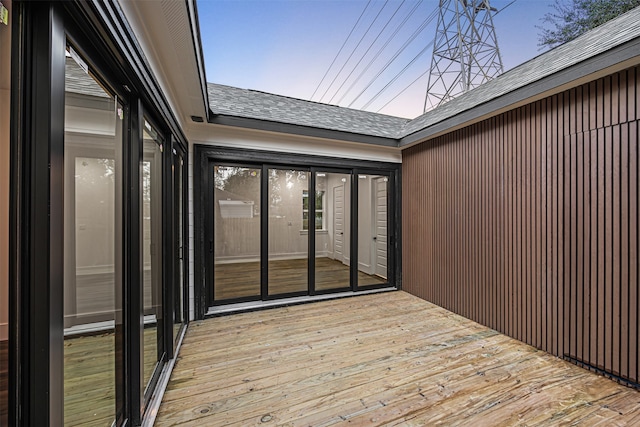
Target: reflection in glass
x: 237, y: 232
x: 333, y: 192
x: 178, y: 307
x: 372, y: 229
x: 288, y: 241
x: 151, y: 175
x: 92, y: 249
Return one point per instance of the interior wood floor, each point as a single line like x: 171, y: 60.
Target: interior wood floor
x: 89, y: 377
x: 237, y: 280
x: 381, y: 359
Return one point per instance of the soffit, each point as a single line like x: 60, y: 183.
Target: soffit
x: 172, y: 47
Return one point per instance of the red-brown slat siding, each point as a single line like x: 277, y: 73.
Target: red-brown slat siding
x: 527, y: 222
x: 555, y: 227
x: 634, y: 295
x: 566, y: 228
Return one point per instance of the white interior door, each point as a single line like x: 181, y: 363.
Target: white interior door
x: 380, y: 192
x: 338, y: 223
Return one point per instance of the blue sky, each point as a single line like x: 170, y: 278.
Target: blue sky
x: 286, y: 46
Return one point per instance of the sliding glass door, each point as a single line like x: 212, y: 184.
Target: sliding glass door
x: 151, y: 167
x: 281, y: 232
x: 93, y: 285
x: 93, y: 226
x: 373, y: 236
x: 288, y: 231
x: 332, y: 231
x: 237, y: 221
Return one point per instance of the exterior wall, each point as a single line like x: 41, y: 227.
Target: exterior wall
x: 528, y: 223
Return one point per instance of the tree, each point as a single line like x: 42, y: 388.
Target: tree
x: 571, y: 18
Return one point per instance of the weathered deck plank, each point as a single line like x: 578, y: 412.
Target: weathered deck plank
x: 381, y: 359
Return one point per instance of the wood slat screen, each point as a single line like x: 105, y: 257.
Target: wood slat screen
x: 528, y: 223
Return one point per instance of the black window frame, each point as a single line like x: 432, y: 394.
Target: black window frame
x: 100, y: 33
x: 206, y: 156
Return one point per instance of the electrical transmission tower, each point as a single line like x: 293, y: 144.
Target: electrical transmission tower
x: 465, y: 50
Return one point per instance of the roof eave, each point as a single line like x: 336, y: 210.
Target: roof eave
x: 287, y: 128
x: 194, y: 23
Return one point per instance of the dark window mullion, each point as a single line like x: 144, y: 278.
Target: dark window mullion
x: 353, y: 254
x: 133, y: 268
x: 311, y: 256
x: 264, y: 233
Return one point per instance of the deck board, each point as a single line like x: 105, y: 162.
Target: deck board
x: 382, y: 359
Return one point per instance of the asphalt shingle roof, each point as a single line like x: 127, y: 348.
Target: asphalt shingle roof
x: 231, y: 101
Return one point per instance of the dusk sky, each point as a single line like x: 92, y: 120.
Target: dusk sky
x: 286, y: 47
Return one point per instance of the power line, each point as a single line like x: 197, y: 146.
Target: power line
x: 341, y: 47
x: 512, y: 2
x: 403, y: 91
x: 415, y: 34
x: 367, y: 51
x: 354, y: 49
x: 411, y: 12
x: 398, y: 75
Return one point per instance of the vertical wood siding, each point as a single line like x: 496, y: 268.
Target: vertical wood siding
x: 528, y: 223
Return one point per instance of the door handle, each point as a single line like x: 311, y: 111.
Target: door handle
x: 375, y: 238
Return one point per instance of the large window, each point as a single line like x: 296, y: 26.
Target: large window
x: 276, y: 231
x: 319, y: 210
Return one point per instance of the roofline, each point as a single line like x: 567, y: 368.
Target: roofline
x: 617, y: 59
x: 194, y: 23
x: 287, y: 128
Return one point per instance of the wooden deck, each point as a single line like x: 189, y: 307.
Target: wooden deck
x: 382, y: 359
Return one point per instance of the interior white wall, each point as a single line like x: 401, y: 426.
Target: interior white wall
x: 365, y: 224
x: 5, y: 103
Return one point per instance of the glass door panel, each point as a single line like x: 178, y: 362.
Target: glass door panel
x: 236, y: 233
x: 151, y: 242
x: 179, y: 313
x: 289, y: 222
x: 93, y: 344
x: 332, y: 226
x: 372, y: 229
x: 5, y: 119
